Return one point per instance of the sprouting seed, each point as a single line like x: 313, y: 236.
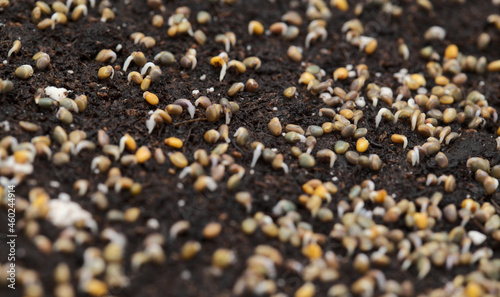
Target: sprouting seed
x: 106, y: 55
x: 16, y: 46
x: 398, y: 138
x: 219, y: 61
x: 135, y: 77
x: 252, y: 62
x: 255, y: 27
x: 235, y: 88
x: 106, y: 72
x: 239, y: 66
x: 78, y: 11
x: 186, y: 105
x: 241, y: 136
x: 138, y: 58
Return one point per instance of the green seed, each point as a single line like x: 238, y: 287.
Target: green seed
x: 341, y: 147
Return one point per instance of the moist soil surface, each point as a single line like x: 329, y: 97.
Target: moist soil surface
x: 118, y: 107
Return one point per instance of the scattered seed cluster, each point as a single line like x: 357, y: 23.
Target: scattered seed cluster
x: 311, y: 225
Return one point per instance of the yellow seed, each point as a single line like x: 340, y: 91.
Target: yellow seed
x: 105, y: 72
x: 130, y: 143
x: 347, y: 113
x: 498, y: 131
x: 290, y: 92
x: 255, y: 27
x: 446, y: 99
x: 223, y: 258
x: 306, y: 78
x: 151, y: 98
x: 362, y: 145
x: 190, y: 249
x: 379, y: 196
x: 441, y: 80
x: 312, y: 251
x: 96, y: 287
x: 294, y: 53
x: 341, y: 5
x: 132, y: 214
x: 178, y: 160
x: 371, y: 46
x: 419, y: 79
x: 340, y: 73
x: 174, y: 142
x: 473, y: 290
x: 21, y: 156
x: 307, y: 290
x: 494, y: 66
x: 421, y: 220
x: 143, y: 154
x: 135, y: 77
x: 45, y: 24
x: 451, y: 52
x: 217, y: 61
x: 145, y: 83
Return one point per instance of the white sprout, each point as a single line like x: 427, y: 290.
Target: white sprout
x: 127, y: 62
x: 256, y: 154
x: 178, y: 228
x: 187, y: 170
x: 186, y: 105
x: 477, y: 237
x: 381, y: 112
x: 146, y: 67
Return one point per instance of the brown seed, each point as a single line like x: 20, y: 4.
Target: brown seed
x: 274, y: 127
x: 252, y: 85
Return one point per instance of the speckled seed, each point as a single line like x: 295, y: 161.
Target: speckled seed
x: 341, y: 147
x: 352, y: 157
x: 64, y: 116
x: 306, y: 161
x: 274, y: 127
x: 178, y: 160
x: 211, y: 136
x: 441, y: 160
x: 24, y: 71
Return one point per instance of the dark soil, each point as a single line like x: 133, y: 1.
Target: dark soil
x: 119, y: 108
